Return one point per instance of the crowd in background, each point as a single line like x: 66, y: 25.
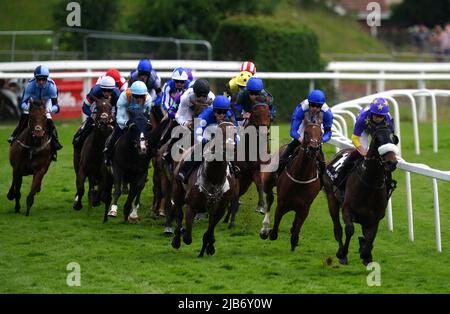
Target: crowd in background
x: 435, y: 40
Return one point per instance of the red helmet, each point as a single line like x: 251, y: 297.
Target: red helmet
x: 249, y: 67
x: 114, y: 74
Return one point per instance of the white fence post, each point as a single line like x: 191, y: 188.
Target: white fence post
x: 437, y: 220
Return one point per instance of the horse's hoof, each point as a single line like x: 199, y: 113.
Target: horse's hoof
x: 77, y: 206
x: 210, y: 250
x: 162, y: 213
x: 10, y: 196
x: 261, y: 210
x: 273, y: 236
x: 264, y: 235
x: 187, y: 240
x: 168, y: 230
x: 113, y: 211
x: 176, y: 243
x: 343, y: 261
x: 132, y: 220
x: 367, y: 261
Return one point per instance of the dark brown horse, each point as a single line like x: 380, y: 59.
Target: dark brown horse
x: 366, y: 195
x: 88, y: 160
x: 250, y: 167
x: 30, y: 154
x: 298, y: 185
x: 210, y: 189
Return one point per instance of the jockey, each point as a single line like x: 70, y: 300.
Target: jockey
x: 149, y: 76
x: 370, y: 118
x: 40, y: 88
x: 135, y: 98
x: 106, y: 88
x: 193, y: 99
x: 220, y: 112
x: 253, y: 93
x: 249, y: 67
x: 121, y: 82
x: 179, y: 83
x: 236, y: 84
x: 312, y: 109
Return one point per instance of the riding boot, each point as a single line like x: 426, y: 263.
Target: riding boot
x: 83, y: 133
x: 110, y: 142
x: 285, y: 156
x: 23, y: 122
x: 55, y: 144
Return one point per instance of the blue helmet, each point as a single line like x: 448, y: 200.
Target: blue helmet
x: 255, y: 84
x: 145, y: 66
x: 138, y: 88
x: 379, y: 106
x: 317, y: 97
x: 179, y: 74
x: 41, y: 71
x: 221, y: 102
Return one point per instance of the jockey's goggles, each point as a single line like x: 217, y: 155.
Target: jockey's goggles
x: 179, y: 81
x: 41, y: 78
x: 201, y: 95
x: 254, y: 93
x: 138, y: 96
x: 107, y: 90
x: 315, y: 105
x: 220, y: 111
x: 379, y: 116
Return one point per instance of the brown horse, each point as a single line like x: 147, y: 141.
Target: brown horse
x: 210, y: 188
x: 30, y: 154
x: 88, y: 160
x: 250, y: 167
x: 366, y: 195
x: 298, y: 185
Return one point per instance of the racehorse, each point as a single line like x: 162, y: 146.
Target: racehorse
x: 131, y: 157
x: 88, y: 160
x: 298, y: 185
x: 30, y: 154
x: 210, y: 188
x: 250, y: 171
x: 366, y: 197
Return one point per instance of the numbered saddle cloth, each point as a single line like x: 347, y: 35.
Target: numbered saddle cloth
x: 334, y: 168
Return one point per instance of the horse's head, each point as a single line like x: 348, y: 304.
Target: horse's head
x: 226, y: 140
x: 260, y: 115
x: 103, y: 118
x: 383, y: 147
x: 37, y: 120
x: 312, y: 137
x: 139, y: 129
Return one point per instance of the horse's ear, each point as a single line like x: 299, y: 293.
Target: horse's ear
x: 307, y: 121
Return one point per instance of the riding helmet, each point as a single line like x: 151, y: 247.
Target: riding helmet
x: 379, y: 106
x: 179, y: 74
x: 201, y: 87
x: 107, y: 82
x: 221, y: 102
x: 138, y: 88
x: 243, y: 78
x: 41, y: 71
x: 145, y: 66
x: 316, y: 96
x: 255, y: 84
x: 249, y: 67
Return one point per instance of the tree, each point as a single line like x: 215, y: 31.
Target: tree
x: 414, y: 12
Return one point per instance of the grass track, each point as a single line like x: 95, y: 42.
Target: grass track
x: 120, y: 258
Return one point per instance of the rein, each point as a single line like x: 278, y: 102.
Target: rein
x: 33, y: 149
x: 313, y: 158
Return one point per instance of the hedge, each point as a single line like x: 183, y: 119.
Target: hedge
x: 274, y: 46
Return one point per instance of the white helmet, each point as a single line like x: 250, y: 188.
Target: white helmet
x: 107, y: 82
x: 179, y: 74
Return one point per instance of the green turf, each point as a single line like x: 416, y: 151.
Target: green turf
x: 121, y: 258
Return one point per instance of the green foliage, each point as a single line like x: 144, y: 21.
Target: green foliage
x: 273, y: 45
x: 412, y: 12
x: 192, y: 18
x: 100, y: 15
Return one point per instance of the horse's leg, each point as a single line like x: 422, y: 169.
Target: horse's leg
x: 117, y: 192
x: 12, y: 191
x: 268, y: 189
x: 234, y: 207
x: 134, y: 217
x: 91, y: 193
x: 279, y: 212
x: 156, y: 188
x: 189, y: 216
x: 17, y: 182
x: 81, y: 177
x: 177, y: 203
x: 369, y: 233
x: 260, y: 188
x: 333, y: 208
x: 168, y: 210
x: 106, y: 195
x: 35, y: 186
x: 349, y: 231
x: 300, y: 216
x: 128, y: 203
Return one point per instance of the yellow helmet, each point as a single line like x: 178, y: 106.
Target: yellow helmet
x: 243, y: 78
